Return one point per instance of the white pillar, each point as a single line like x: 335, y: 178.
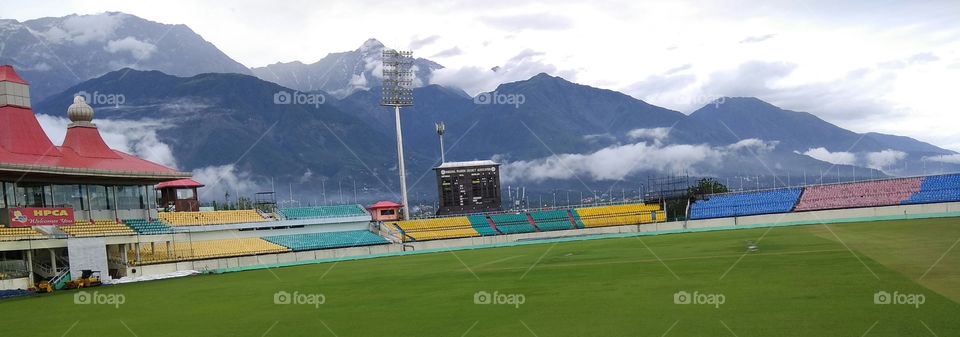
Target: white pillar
x: 403, y: 175
x: 53, y: 260
x: 30, y: 266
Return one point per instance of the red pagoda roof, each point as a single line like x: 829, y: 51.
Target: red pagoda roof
x: 182, y: 183
x: 7, y: 74
x: 25, y: 147
x: 385, y: 204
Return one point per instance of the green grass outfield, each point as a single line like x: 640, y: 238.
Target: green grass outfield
x: 804, y: 281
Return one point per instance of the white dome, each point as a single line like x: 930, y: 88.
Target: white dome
x: 80, y: 111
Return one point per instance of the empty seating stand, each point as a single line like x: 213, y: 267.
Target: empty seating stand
x: 314, y: 241
x: 481, y: 225
x: 936, y: 189
x: 552, y: 220
x: 512, y: 223
x: 210, y: 218
x: 147, y: 227
x: 208, y: 249
x: 859, y: 194
x: 19, y: 233
x: 748, y: 203
x: 438, y: 228
x: 97, y: 228
x: 323, y: 212
x: 619, y: 215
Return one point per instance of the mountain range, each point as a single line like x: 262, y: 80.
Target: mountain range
x: 56, y: 53
x: 547, y: 131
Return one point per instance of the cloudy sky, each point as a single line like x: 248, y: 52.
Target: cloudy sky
x: 865, y: 65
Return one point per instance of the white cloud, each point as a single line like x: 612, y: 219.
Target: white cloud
x: 949, y: 159
x: 657, y: 134
x: 225, y: 178
x: 612, y: 163
x: 882, y: 159
x: 418, y: 42
x: 84, y: 28
x: 875, y: 160
x: 139, y: 49
x: 474, y: 80
x: 758, y: 146
x: 838, y: 158
x: 138, y: 138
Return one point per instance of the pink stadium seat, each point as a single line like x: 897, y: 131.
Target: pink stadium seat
x: 863, y: 194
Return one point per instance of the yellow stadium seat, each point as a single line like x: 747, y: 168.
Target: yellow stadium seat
x: 619, y: 215
x: 19, y: 233
x: 434, y: 229
x: 209, y: 249
x: 97, y: 228
x: 210, y: 218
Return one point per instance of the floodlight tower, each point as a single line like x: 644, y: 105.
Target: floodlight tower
x: 440, y: 130
x: 398, y: 92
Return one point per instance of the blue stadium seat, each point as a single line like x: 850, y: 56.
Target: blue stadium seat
x: 146, y: 227
x: 339, y: 211
x: 314, y: 241
x: 480, y: 224
x: 512, y: 223
x: 552, y: 220
x: 748, y: 203
x: 937, y: 189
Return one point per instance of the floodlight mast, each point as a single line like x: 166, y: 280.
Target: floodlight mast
x: 440, y: 130
x: 398, y: 92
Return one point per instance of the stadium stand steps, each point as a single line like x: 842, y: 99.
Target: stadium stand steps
x: 147, y: 227
x: 176, y: 219
x: 314, y: 241
x: 97, y: 228
x: 20, y: 233
x: 619, y: 215
x: 936, y: 189
x: 858, y: 194
x: 552, y: 220
x: 434, y: 229
x: 749, y: 203
x: 481, y: 224
x: 339, y: 211
x: 512, y: 223
x: 207, y: 249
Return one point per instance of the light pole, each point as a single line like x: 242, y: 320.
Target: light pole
x: 398, y: 92
x: 440, y: 130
